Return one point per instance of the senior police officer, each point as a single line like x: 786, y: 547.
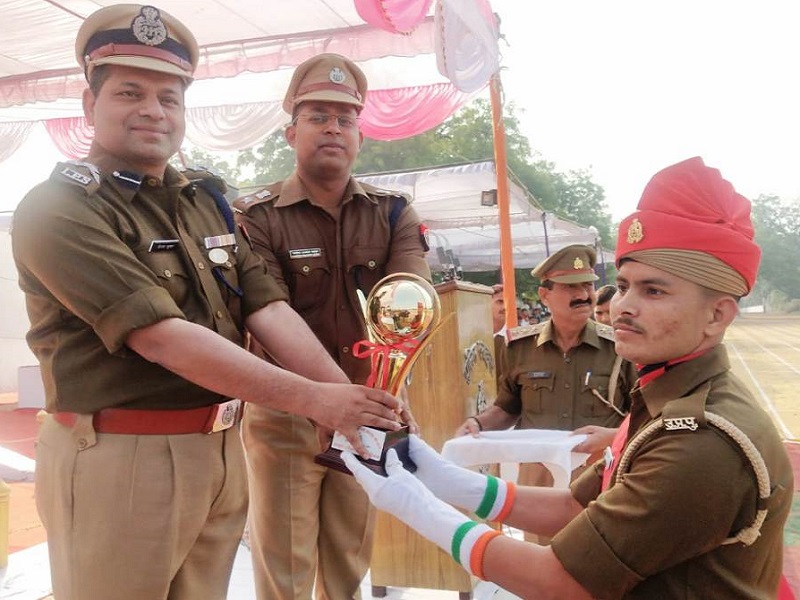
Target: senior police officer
x: 694, y: 501
x: 562, y: 373
x: 326, y: 237
x: 138, y: 287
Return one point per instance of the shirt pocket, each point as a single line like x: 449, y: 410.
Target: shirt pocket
x: 536, y: 392
x: 308, y: 280
x: 170, y: 271
x: 367, y: 265
x: 591, y: 405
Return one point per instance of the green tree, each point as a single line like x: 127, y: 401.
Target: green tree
x: 777, y: 231
x: 466, y: 137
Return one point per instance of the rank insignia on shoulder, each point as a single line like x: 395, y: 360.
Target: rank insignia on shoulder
x: 675, y: 424
x: 76, y: 176
x: 523, y: 331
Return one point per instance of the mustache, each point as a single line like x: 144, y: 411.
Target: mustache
x: 627, y: 322
x: 574, y: 303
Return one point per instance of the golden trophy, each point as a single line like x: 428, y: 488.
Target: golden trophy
x: 401, y: 313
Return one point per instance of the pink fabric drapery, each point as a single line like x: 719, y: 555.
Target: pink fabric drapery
x: 72, y: 135
x: 390, y: 114
x: 403, y: 112
x: 395, y: 16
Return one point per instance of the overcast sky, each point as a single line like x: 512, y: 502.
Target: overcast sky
x: 626, y: 88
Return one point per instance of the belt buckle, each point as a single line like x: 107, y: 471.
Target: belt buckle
x: 225, y: 416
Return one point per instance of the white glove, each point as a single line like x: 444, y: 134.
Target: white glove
x: 406, y: 498
x: 488, y: 497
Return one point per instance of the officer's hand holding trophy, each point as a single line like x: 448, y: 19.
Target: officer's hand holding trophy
x: 401, y: 313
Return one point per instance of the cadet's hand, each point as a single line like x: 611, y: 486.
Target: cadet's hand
x: 405, y: 497
x: 597, y: 438
x: 484, y: 495
x: 345, y: 407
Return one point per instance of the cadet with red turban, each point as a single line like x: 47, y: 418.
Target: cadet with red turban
x: 693, y: 496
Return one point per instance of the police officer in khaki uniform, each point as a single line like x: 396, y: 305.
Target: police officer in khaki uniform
x: 138, y: 287
x: 562, y: 373
x: 325, y: 237
x: 693, y: 501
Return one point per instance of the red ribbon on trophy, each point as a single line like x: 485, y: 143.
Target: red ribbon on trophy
x: 381, y: 356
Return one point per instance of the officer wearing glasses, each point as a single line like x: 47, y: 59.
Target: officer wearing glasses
x: 325, y: 236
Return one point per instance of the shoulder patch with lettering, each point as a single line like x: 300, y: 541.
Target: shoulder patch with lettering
x: 79, y: 173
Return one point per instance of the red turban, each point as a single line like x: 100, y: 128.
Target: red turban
x: 690, y: 207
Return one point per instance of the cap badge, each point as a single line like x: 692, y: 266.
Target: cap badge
x: 635, y: 232
x: 336, y: 75
x: 148, y: 27
x: 577, y: 263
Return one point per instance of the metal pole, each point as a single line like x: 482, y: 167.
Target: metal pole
x: 546, y: 241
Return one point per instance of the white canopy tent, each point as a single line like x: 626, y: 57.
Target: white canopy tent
x: 449, y: 200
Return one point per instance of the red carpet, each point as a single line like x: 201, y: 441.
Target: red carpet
x: 791, y: 559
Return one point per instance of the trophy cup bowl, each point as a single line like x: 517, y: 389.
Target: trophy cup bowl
x: 401, y: 311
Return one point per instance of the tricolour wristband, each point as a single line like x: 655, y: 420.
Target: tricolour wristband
x: 498, y: 498
x: 478, y: 550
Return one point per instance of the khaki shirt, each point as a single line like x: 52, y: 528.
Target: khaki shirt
x: 102, y: 254
x: 550, y: 390
x: 321, y: 263
x: 657, y: 533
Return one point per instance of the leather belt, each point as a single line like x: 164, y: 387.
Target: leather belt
x: 206, y: 419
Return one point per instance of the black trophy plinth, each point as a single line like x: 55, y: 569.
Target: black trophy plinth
x: 388, y: 439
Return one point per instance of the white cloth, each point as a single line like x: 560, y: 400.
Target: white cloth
x: 552, y: 448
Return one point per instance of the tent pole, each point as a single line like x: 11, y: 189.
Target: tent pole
x: 501, y: 167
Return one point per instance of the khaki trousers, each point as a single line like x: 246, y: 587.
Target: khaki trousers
x: 310, y: 526
x: 134, y: 517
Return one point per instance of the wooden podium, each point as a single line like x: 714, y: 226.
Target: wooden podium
x: 453, y: 378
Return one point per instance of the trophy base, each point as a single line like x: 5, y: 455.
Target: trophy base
x: 390, y: 439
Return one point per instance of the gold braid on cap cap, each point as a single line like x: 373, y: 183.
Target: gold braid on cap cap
x: 698, y: 267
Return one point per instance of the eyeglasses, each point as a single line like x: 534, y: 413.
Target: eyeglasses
x: 322, y: 119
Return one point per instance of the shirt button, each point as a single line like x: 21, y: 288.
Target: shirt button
x: 167, y: 273
x: 567, y: 360
x: 219, y: 314
x: 82, y: 444
x: 306, y: 268
x: 371, y: 264
x: 564, y: 415
x: 566, y: 385
x: 201, y: 265
x: 346, y: 349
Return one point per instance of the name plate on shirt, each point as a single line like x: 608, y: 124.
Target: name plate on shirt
x: 163, y: 245
x: 305, y: 253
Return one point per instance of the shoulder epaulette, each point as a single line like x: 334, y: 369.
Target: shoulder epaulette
x: 384, y: 193
x: 605, y: 331
x: 523, y: 331
x: 82, y: 174
x: 266, y: 194
x: 207, y: 177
